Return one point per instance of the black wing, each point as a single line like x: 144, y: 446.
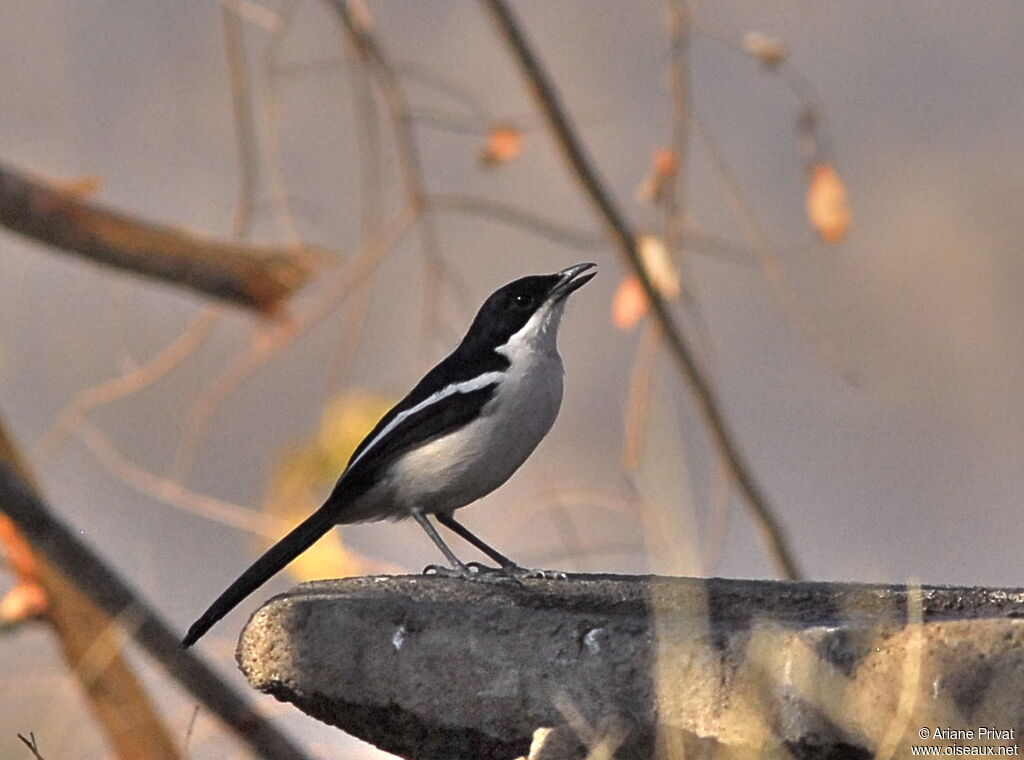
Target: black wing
x: 381, y: 448
x: 462, y: 365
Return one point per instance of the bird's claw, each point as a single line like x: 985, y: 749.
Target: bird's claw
x: 547, y: 575
x: 443, y: 571
x: 472, y: 571
x: 515, y: 571
x: 479, y: 572
x: 479, y: 568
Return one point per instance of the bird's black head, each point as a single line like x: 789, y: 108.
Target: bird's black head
x: 539, y: 298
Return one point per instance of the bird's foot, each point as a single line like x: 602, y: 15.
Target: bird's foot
x: 546, y: 575
x: 473, y: 572
x: 515, y: 571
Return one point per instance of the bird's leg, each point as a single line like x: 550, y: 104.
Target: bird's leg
x: 507, y: 566
x: 455, y: 562
x: 457, y: 569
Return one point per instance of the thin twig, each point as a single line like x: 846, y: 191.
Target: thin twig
x: 172, y: 493
x: 812, y: 122
x: 31, y: 744
x: 208, y: 401
x: 244, y: 119
x: 254, y: 13
x: 673, y: 197
x: 267, y: 347
x: 707, y: 401
x: 702, y: 242
x: 371, y: 200
x: 350, y: 338
x: 553, y: 230
x: 638, y: 398
x: 771, y: 265
x: 272, y: 123
x: 449, y: 86
x: 370, y: 151
x: 455, y: 124
x: 717, y: 521
x: 679, y: 41
x: 358, y: 29
x: 130, y: 382
x: 190, y: 730
x: 355, y: 20
x: 517, y: 217
x: 258, y: 277
x: 680, y: 29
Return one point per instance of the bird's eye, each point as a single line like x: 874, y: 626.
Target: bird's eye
x: 522, y: 302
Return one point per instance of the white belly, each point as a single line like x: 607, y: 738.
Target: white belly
x: 457, y: 469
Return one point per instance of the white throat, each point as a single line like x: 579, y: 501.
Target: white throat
x: 538, y: 335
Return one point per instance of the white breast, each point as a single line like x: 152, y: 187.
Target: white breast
x: 457, y: 469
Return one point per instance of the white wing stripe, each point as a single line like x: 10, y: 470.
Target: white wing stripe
x: 466, y: 386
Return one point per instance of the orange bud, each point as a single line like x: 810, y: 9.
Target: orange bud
x: 629, y: 303
x: 504, y: 143
x: 665, y: 162
x: 24, y: 601
x: 770, y: 51
x: 664, y: 165
x: 826, y: 203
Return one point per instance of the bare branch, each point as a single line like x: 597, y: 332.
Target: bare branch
x: 257, y: 277
x: 87, y: 640
x: 171, y: 492
x: 355, y: 20
x: 679, y: 42
x: 441, y: 84
x: 127, y: 383
x: 571, y: 237
x: 771, y: 265
x: 517, y: 217
x: 108, y: 591
x: 579, y: 163
x: 272, y: 121
x: 31, y: 744
x: 244, y: 118
x: 266, y: 347
x: 638, y: 398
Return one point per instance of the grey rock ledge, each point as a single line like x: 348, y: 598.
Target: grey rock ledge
x: 439, y: 668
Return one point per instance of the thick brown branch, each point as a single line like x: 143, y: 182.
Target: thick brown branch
x: 91, y: 647
x: 89, y: 643
x: 258, y: 277
x: 106, y: 590
x: 580, y: 165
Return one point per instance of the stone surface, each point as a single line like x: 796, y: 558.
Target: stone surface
x: 429, y: 667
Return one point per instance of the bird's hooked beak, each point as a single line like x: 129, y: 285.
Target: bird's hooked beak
x: 570, y: 280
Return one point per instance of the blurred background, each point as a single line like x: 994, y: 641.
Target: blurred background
x: 871, y: 371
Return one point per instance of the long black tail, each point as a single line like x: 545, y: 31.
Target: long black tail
x: 276, y: 557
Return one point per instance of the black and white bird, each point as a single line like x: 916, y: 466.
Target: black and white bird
x: 459, y: 434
